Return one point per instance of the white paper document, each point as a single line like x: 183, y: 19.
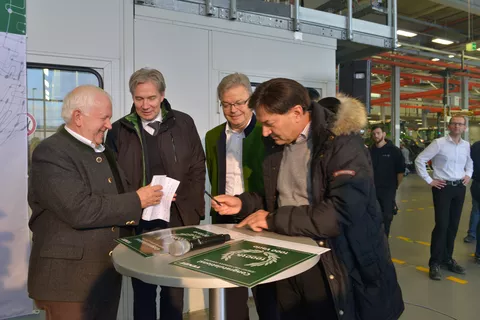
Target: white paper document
x: 162, y: 210
x: 310, y: 248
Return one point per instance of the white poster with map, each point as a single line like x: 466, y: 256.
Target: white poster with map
x: 14, y: 235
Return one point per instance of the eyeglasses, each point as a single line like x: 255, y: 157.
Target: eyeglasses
x: 237, y: 104
x: 457, y: 124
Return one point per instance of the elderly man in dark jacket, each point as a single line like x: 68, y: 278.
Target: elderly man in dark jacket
x: 154, y: 140
x: 319, y: 184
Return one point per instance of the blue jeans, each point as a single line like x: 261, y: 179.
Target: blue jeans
x: 474, y: 219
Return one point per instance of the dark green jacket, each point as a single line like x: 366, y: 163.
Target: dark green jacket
x: 252, y: 159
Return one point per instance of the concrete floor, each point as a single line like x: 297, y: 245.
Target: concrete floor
x: 452, y: 298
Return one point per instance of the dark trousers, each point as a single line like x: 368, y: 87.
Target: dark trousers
x: 145, y: 294
x: 237, y: 298
x: 386, y: 198
x: 265, y: 296
x: 306, y: 296
x: 236, y: 303
x: 448, y: 203
x: 477, y: 250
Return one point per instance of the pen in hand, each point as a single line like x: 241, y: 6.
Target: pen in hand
x: 210, y: 196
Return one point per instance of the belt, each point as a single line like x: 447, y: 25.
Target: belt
x: 454, y: 183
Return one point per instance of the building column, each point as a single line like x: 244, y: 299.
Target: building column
x: 395, y: 105
x: 424, y: 118
x: 465, y: 105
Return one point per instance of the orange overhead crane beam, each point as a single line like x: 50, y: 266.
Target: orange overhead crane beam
x: 378, y: 88
x: 428, y: 62
x: 432, y: 109
x: 423, y: 68
x: 434, y: 79
x: 404, y: 65
x: 470, y: 101
x: 385, y: 86
x: 405, y: 96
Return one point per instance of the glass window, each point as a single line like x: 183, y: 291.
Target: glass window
x: 47, y: 85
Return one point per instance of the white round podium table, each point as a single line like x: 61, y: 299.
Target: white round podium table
x: 158, y: 270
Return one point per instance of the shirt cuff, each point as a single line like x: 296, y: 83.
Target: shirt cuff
x: 429, y: 180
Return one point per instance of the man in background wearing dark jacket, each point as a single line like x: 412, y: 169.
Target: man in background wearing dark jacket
x: 388, y: 170
x: 319, y: 183
x: 156, y: 140
x: 475, y: 191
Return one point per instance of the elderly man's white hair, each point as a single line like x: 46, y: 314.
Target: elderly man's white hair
x: 81, y: 98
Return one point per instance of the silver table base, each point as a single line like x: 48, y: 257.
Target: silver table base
x: 217, y: 308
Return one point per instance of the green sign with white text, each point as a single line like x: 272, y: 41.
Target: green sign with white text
x: 12, y: 17
x: 148, y: 244
x: 244, y: 263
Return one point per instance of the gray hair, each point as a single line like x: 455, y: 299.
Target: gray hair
x: 147, y: 75
x: 233, y: 80
x: 81, y: 98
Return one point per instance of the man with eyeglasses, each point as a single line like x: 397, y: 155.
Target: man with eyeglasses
x: 452, y: 170
x: 234, y: 152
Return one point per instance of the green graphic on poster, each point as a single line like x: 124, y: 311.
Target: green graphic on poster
x: 155, y: 242
x: 244, y: 263
x: 13, y: 19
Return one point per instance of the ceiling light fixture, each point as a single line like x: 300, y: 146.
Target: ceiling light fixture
x: 406, y: 33
x: 451, y: 55
x: 435, y: 59
x: 442, y: 41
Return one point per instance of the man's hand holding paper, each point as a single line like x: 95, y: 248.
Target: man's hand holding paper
x: 162, y: 210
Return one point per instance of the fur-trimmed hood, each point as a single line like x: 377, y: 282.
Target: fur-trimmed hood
x: 350, y: 116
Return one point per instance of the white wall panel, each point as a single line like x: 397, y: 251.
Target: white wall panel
x: 87, y: 28
x: 181, y: 54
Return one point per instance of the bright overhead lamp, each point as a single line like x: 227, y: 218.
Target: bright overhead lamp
x: 406, y: 33
x: 451, y: 55
x: 375, y: 95
x: 435, y: 59
x: 442, y: 41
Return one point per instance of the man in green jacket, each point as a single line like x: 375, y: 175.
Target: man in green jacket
x: 234, y: 152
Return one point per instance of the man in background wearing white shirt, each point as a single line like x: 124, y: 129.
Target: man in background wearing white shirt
x: 452, y: 170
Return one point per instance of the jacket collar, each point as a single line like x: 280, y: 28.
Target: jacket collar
x: 133, y: 121
x: 251, y: 125
x: 350, y: 118
x: 63, y: 132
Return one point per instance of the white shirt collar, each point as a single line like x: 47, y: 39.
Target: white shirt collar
x: 146, y: 122
x: 305, y: 133
x: 157, y: 118
x: 98, y: 149
x: 229, y: 129
x: 449, y: 138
